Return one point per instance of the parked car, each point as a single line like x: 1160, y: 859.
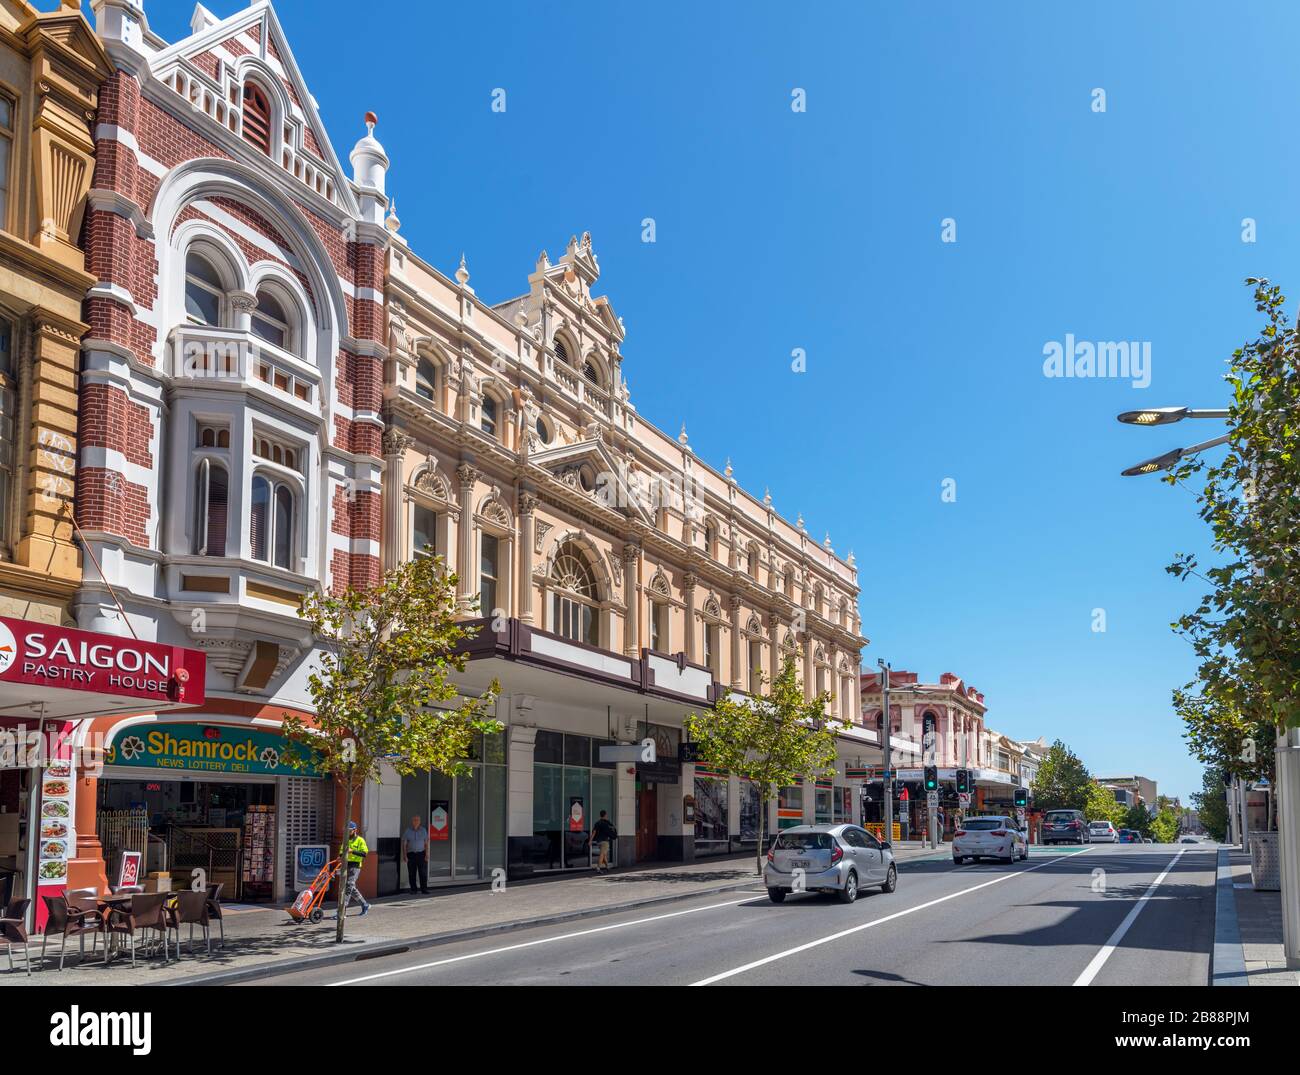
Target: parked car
x: 1130, y: 836
x: 1190, y: 840
x: 994, y: 836
x: 842, y: 859
x: 1102, y: 832
x: 1065, y: 827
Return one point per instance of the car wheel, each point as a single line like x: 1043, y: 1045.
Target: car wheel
x: 849, y: 892
x: 891, y: 880
x: 776, y: 895
x: 1011, y: 855
x: 958, y: 860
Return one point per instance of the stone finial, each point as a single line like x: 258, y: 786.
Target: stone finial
x: 391, y: 222
x: 462, y: 273
x: 767, y: 497
x: 800, y: 524
x: 728, y: 471
x: 826, y: 544
x: 681, y: 437
x: 369, y: 161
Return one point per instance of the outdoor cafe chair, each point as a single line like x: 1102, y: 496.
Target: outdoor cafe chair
x: 72, y: 917
x: 144, y: 912
x: 191, y: 907
x: 13, y: 930
x: 214, y: 909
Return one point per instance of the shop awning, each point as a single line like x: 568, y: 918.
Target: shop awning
x: 64, y: 674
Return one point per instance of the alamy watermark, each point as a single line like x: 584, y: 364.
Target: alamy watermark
x: 1123, y: 359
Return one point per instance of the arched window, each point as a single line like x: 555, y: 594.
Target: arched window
x: 257, y: 117
x: 426, y: 379
x: 751, y: 560
x: 590, y: 372
x: 271, y: 522
x: 543, y: 430
x: 270, y: 321
x: 574, y: 596
x: 211, y: 496
x: 205, y: 293
x: 488, y: 419
x: 561, y: 352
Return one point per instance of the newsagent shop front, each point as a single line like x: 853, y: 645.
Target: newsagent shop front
x: 212, y: 795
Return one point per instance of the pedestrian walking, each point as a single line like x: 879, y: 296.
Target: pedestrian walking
x: 357, y: 852
x: 415, y: 849
x: 602, y: 833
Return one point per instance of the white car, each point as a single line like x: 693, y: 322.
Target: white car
x: 989, y: 837
x: 1102, y: 832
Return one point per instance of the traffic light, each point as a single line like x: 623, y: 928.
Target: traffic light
x: 931, y: 778
x: 1022, y: 797
x: 963, y: 781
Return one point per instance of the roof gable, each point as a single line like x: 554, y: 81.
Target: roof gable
x: 209, y: 68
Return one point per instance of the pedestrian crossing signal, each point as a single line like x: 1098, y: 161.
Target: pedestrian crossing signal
x: 963, y: 781
x: 1022, y: 797
x: 931, y: 778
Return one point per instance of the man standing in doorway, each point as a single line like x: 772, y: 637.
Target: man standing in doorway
x: 357, y: 852
x: 415, y: 849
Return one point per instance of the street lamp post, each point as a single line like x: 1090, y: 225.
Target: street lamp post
x: 886, y: 724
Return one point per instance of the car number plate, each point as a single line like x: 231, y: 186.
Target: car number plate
x: 801, y: 864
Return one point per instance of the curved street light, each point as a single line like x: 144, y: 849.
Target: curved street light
x: 1163, y: 416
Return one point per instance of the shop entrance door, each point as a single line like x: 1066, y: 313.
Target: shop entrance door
x: 647, y: 824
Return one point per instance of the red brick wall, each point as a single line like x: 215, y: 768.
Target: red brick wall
x: 108, y: 419
x: 106, y: 501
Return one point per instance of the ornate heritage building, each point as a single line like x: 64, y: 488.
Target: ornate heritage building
x: 624, y: 582
x: 51, y: 66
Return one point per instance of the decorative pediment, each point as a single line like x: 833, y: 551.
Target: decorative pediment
x: 660, y: 587
x: 431, y: 483
x: 588, y: 468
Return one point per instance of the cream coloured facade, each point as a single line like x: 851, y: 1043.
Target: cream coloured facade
x: 625, y: 582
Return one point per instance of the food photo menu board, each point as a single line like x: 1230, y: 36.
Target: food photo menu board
x: 56, y: 835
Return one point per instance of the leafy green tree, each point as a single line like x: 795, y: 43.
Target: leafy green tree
x: 1164, y: 827
x: 1103, y: 806
x: 1246, y: 628
x: 1062, y: 780
x: 381, y: 687
x: 1137, y: 819
x: 771, y: 738
x: 1211, y: 803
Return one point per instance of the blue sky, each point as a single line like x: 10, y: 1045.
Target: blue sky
x: 821, y: 230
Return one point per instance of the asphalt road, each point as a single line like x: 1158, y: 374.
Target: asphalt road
x: 1100, y: 915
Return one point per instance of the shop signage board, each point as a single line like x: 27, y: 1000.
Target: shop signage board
x: 42, y: 655
x: 58, y: 840
x: 128, y: 869
x: 440, y: 819
x: 207, y: 748
x: 308, y: 861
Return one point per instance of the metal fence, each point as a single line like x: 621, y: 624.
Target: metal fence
x: 124, y: 830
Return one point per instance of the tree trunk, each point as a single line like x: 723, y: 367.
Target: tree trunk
x: 342, y: 884
x: 762, y: 818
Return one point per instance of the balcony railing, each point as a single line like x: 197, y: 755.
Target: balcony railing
x: 229, y: 357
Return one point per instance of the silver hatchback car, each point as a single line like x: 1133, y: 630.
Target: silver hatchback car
x: 842, y: 859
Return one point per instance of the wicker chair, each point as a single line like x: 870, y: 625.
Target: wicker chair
x: 192, y: 908
x: 68, y: 917
x: 214, y: 910
x: 144, y: 912
x: 13, y: 930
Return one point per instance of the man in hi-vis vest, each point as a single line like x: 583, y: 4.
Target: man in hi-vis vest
x: 357, y: 852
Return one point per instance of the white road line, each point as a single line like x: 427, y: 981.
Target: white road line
x: 544, y: 940
x: 1099, y: 960
x: 882, y: 921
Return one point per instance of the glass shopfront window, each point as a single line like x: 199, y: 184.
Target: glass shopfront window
x: 711, y: 814
x: 465, y: 815
x: 750, y: 808
x: 822, y: 805
x: 571, y: 785
x: 843, y: 799
x: 789, y: 807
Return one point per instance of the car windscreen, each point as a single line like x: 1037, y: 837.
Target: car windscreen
x: 1100, y: 826
x: 804, y: 841
x: 1058, y: 816
x: 982, y: 824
